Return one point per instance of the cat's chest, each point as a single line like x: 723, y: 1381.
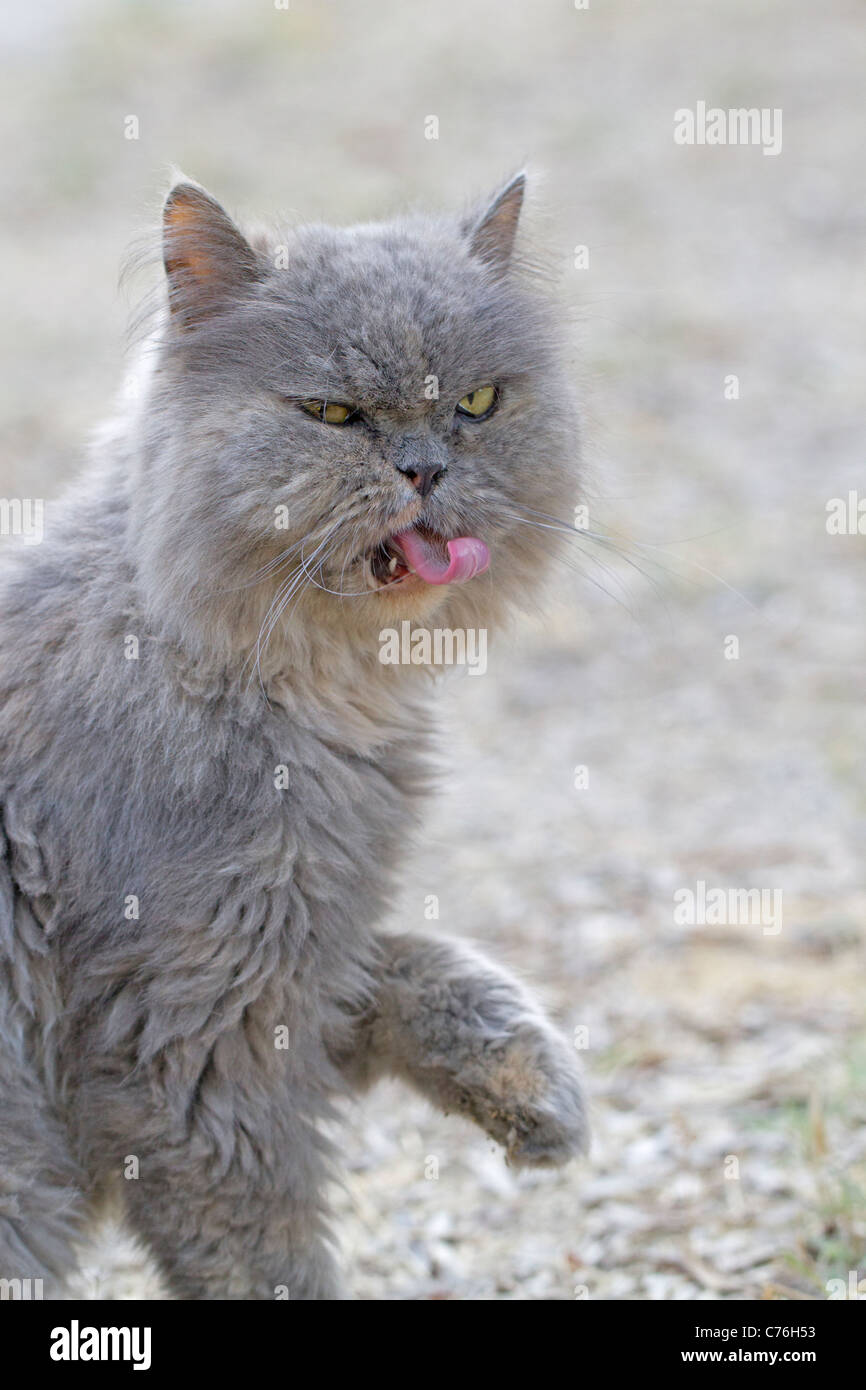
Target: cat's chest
x: 334, y: 822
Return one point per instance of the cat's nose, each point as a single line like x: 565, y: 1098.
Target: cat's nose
x: 423, y: 477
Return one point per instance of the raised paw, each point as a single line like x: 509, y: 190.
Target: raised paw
x: 468, y: 1035
x: 525, y: 1091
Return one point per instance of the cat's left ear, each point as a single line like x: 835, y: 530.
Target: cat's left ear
x: 207, y: 260
x: 491, y: 236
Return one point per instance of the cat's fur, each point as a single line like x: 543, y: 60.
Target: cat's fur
x: 165, y: 907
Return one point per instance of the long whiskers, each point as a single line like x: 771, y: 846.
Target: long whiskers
x: 619, y: 545
x: 295, y: 580
x: 606, y: 570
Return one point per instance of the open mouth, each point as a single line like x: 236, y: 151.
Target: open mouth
x: 429, y: 556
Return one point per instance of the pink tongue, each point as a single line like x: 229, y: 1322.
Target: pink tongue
x: 467, y: 556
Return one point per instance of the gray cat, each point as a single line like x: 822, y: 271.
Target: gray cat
x: 208, y: 776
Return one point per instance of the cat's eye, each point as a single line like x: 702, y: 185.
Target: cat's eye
x: 478, y: 403
x: 331, y: 412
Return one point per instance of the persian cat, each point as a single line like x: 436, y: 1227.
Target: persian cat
x: 208, y: 777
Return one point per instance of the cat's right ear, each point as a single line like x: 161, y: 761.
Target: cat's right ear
x: 491, y: 235
x: 207, y: 260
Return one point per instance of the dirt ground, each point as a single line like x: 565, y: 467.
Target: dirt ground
x: 726, y: 1063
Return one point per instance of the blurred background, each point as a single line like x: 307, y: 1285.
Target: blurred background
x: 727, y: 1066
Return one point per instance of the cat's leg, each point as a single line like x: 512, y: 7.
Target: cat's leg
x: 467, y: 1035
x: 42, y: 1204
x: 225, y: 1236
x: 224, y: 1186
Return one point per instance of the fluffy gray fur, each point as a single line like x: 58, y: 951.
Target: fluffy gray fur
x: 153, y: 1034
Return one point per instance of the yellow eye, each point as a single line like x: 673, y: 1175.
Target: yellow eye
x: 479, y: 402
x: 329, y: 411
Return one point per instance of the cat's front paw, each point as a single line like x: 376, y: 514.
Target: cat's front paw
x: 531, y: 1099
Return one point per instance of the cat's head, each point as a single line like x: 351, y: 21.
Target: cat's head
x: 347, y: 427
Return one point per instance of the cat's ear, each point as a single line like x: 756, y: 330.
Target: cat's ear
x: 491, y: 236
x: 207, y: 260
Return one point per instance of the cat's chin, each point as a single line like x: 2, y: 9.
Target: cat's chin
x: 411, y: 598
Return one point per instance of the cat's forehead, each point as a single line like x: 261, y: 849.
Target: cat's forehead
x: 394, y: 309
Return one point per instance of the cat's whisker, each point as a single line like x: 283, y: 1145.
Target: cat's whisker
x: 350, y: 556
x: 272, y: 614
x: 254, y: 655
x: 293, y: 585
x: 620, y: 544
x: 284, y: 591
x: 270, y: 570
x: 305, y: 579
x: 258, y: 576
x: 621, y: 555
x: 569, y: 560
x: 694, y: 564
